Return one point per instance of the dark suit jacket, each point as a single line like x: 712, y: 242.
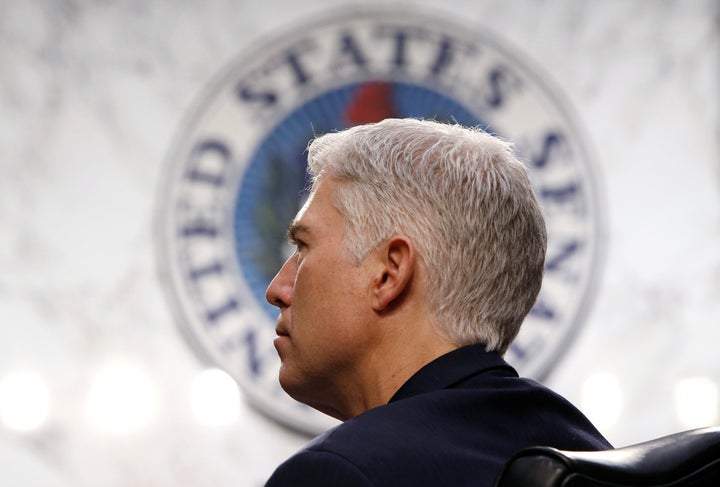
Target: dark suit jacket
x: 454, y: 423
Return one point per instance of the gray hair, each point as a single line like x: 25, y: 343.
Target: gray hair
x: 466, y: 202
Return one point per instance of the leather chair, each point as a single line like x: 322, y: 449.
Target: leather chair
x: 690, y: 458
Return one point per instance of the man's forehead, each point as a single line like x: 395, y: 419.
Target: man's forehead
x: 317, y: 211
x: 298, y: 224
x: 302, y: 221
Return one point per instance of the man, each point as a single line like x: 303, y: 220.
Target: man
x: 419, y: 252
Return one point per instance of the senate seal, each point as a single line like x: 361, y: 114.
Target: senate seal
x: 236, y: 175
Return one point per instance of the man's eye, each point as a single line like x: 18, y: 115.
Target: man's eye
x: 298, y: 244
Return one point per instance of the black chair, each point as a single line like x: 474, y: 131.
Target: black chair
x: 690, y: 458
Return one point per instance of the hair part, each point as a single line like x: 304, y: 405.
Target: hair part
x: 463, y: 198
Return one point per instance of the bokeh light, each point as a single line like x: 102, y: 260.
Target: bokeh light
x: 696, y: 402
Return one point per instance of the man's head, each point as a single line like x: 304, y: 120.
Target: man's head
x: 462, y: 198
x: 417, y: 238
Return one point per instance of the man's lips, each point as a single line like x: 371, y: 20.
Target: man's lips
x: 282, y: 336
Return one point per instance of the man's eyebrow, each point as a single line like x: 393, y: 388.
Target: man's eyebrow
x: 295, y: 228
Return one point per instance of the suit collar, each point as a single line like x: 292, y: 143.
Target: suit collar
x: 451, y: 369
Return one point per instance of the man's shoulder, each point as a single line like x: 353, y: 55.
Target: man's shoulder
x: 460, y: 433
x: 318, y: 468
x: 362, y: 451
x: 493, y: 410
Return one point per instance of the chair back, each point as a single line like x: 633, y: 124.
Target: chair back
x: 690, y: 458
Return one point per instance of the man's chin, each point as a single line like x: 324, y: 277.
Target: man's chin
x: 296, y: 392
x: 288, y: 383
x: 293, y: 385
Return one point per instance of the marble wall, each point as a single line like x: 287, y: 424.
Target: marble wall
x: 91, y: 94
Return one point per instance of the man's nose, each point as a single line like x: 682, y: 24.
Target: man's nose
x: 279, y: 291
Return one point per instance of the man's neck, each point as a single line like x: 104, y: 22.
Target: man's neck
x: 392, y: 362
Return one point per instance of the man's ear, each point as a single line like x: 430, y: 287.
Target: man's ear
x: 394, y: 276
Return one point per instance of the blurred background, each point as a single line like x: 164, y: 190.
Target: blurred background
x: 97, y: 385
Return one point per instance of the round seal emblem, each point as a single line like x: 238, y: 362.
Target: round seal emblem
x: 236, y: 176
